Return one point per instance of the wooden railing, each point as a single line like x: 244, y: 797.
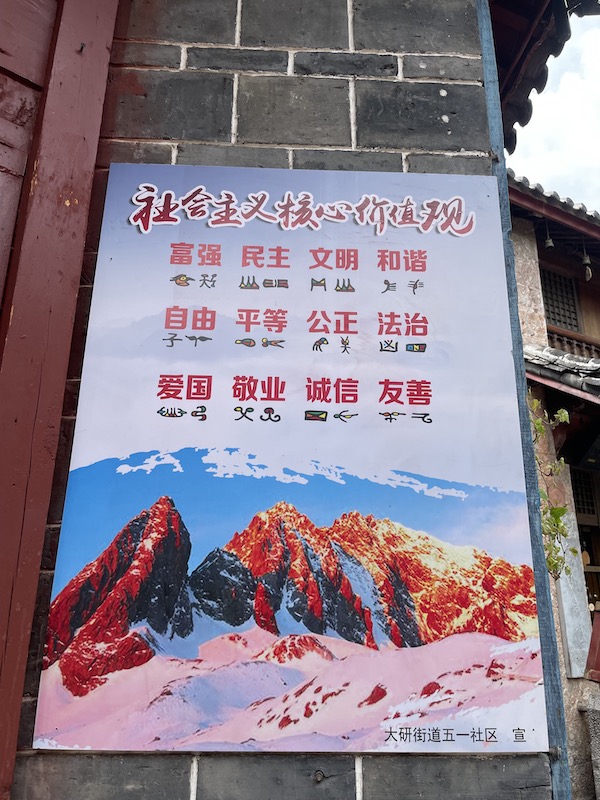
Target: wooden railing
x: 574, y: 343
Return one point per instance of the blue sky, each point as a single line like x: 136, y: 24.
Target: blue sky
x: 559, y: 146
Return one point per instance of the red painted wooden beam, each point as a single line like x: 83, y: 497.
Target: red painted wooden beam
x: 36, y: 326
x: 545, y: 209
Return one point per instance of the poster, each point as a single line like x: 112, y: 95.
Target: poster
x: 296, y: 516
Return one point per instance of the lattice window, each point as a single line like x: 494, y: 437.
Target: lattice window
x: 560, y: 300
x: 583, y: 491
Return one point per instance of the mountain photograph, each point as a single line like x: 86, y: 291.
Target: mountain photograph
x: 359, y: 635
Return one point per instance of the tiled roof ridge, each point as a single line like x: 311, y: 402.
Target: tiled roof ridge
x: 537, y: 191
x: 577, y: 372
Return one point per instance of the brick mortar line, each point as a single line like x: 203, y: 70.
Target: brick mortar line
x: 234, y: 109
x: 350, y: 12
x: 301, y: 49
x: 194, y: 778
x: 290, y: 65
x: 238, y: 23
x: 286, y: 74
x: 352, y: 104
x: 184, y: 58
x: 281, y: 146
x: 287, y: 146
x: 358, y: 777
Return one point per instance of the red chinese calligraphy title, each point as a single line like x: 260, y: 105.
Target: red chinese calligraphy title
x: 294, y: 212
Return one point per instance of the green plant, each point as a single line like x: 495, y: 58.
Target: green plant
x: 554, y: 530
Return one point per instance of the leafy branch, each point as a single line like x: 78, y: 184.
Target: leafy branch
x: 554, y: 530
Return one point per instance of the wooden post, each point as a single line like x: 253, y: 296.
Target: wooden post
x: 36, y: 326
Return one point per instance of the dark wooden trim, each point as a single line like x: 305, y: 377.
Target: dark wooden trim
x: 578, y: 337
x: 36, y: 326
x: 545, y: 209
x: 592, y: 668
x: 564, y: 388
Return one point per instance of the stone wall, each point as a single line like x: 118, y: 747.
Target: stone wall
x: 569, y: 597
x: 372, y: 85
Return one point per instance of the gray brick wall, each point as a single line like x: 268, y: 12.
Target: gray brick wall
x: 373, y: 85
x: 311, y: 84
x: 135, y: 776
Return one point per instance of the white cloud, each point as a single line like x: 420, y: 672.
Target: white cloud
x: 558, y: 148
x: 153, y: 461
x: 229, y: 462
